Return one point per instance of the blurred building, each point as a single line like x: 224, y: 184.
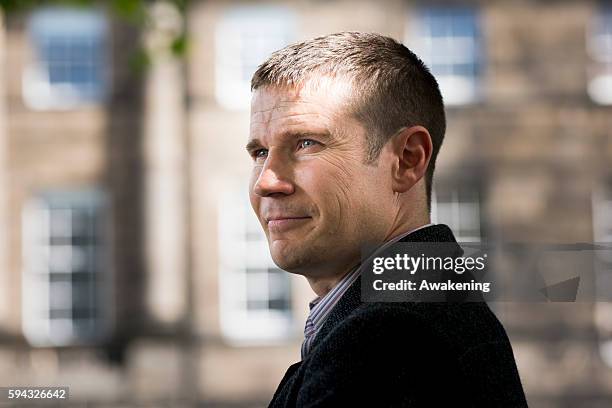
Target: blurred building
x: 131, y: 267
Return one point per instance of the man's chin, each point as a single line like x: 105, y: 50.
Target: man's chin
x: 290, y: 264
x: 291, y: 257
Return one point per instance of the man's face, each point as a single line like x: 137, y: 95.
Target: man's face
x: 316, y: 199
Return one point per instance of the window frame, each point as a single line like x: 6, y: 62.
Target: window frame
x: 232, y: 84
x: 48, y: 24
x: 419, y: 37
x: 599, y: 74
x: 38, y: 277
x: 455, y: 203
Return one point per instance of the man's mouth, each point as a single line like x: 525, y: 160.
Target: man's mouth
x: 283, y: 223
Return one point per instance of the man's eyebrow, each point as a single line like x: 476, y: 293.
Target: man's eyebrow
x: 296, y: 134
x: 252, y: 145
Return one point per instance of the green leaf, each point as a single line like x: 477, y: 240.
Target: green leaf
x: 179, y: 45
x: 131, y: 10
x: 140, y: 61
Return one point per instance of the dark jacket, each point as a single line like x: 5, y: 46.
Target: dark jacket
x: 411, y: 354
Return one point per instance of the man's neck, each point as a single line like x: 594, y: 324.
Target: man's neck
x: 406, y: 229
x: 322, y: 285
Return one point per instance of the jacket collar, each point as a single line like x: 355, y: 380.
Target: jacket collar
x: 351, y: 299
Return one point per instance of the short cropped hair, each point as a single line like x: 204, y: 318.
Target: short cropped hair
x: 392, y: 87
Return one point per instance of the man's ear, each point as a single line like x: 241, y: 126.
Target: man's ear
x: 411, y: 150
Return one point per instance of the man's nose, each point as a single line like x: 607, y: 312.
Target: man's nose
x: 274, y: 177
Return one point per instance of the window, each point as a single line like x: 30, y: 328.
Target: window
x: 66, y: 273
x: 459, y: 208
x: 599, y: 46
x: 448, y: 41
x: 245, y: 38
x: 255, y: 294
x: 69, y: 59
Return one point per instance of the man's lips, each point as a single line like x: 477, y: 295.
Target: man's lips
x: 282, y: 223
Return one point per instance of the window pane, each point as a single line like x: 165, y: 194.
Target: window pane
x: 599, y: 45
x: 448, y: 40
x: 61, y: 259
x: 459, y: 208
x: 245, y: 37
x: 60, y: 295
x: 62, y: 277
x: 278, y: 285
x: 69, y: 66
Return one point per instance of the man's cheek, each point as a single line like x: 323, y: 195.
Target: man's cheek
x: 338, y: 169
x: 340, y: 215
x: 340, y: 193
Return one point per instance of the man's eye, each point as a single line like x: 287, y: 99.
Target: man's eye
x: 306, y: 143
x: 260, y: 153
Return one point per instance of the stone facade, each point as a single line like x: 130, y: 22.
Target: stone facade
x: 165, y: 150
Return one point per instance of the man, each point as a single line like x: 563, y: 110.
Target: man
x: 345, y: 130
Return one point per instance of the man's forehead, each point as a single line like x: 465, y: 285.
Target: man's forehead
x: 324, y: 95
x: 269, y: 104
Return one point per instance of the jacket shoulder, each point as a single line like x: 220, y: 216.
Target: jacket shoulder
x: 459, y: 327
x: 415, y: 350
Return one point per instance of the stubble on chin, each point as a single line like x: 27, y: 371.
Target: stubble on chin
x: 290, y: 256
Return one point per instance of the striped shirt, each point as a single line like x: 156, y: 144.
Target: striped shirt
x: 320, y: 307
